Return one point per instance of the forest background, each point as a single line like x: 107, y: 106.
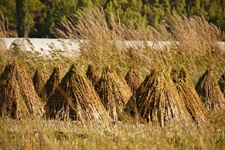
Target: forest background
x: 39, y: 18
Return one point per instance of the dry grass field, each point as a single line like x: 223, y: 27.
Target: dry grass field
x: 53, y: 134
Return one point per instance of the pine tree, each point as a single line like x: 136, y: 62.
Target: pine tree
x: 180, y: 7
x: 54, y: 15
x: 167, y: 6
x: 8, y: 8
x: 84, y: 3
x: 109, y: 14
x: 136, y: 5
x: 23, y: 25
x: 158, y: 13
x: 213, y: 10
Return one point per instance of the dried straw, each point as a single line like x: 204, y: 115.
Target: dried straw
x: 51, y: 85
x: 39, y: 80
x: 76, y: 99
x: 92, y: 75
x: 18, y: 97
x: 209, y: 91
x: 158, y: 101
x: 113, y: 92
x: 221, y: 83
x: 133, y: 80
x: 188, y: 94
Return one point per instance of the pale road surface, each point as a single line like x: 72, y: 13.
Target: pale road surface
x: 45, y: 46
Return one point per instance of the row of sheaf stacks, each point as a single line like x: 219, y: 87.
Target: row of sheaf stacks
x: 165, y: 96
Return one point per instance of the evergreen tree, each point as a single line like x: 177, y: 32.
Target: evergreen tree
x: 8, y: 8
x: 180, y: 7
x: 136, y: 5
x: 56, y: 11
x: 23, y: 24
x: 84, y: 3
x: 26, y: 12
x: 213, y: 11
x: 197, y: 8
x: 98, y: 2
x: 158, y: 14
x: 133, y: 18
x: 110, y: 14
x: 167, y: 7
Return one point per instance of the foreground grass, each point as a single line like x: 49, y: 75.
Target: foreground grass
x: 53, y: 134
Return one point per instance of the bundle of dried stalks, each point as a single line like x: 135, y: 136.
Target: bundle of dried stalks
x: 113, y: 92
x: 18, y: 97
x: 51, y: 85
x: 76, y: 99
x: 92, y: 75
x: 188, y: 94
x: 209, y: 91
x: 158, y: 101
x: 39, y: 80
x: 133, y: 80
x: 221, y: 83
